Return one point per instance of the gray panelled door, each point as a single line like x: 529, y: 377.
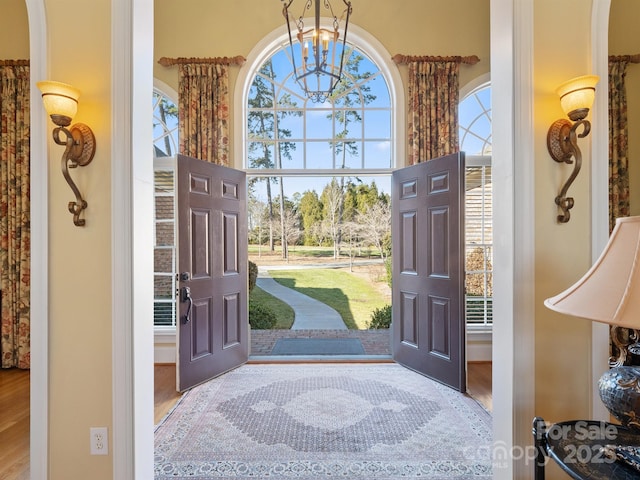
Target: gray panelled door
x: 429, y: 333
x: 213, y: 327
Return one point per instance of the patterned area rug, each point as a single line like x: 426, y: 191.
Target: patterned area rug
x: 362, y: 421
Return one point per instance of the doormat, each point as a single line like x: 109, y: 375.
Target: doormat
x: 321, y: 422
x: 318, y: 346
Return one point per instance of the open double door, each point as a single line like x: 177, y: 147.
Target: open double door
x: 428, y: 270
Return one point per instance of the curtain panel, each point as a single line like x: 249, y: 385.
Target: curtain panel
x: 203, y: 106
x: 619, y: 205
x: 203, y: 112
x: 15, y: 237
x: 433, y: 109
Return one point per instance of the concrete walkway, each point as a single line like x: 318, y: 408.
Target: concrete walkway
x: 310, y: 314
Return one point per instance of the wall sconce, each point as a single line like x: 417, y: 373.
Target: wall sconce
x: 576, y: 98
x: 61, y: 103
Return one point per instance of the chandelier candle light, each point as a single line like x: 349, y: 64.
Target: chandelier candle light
x: 317, y: 53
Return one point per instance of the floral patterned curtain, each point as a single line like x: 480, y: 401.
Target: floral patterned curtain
x: 433, y: 109
x: 433, y: 104
x: 15, y: 236
x: 203, y: 106
x: 203, y: 111
x: 618, y: 142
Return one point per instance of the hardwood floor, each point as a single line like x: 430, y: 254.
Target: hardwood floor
x: 14, y: 410
x: 14, y: 424
x: 165, y: 395
x: 479, y: 380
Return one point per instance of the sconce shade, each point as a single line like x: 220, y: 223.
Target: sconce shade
x: 577, y: 95
x: 610, y: 291
x: 60, y: 100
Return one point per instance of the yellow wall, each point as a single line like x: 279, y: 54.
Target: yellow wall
x: 624, y: 40
x: 80, y: 257
x: 205, y: 28
x: 562, y: 250
x: 14, y: 30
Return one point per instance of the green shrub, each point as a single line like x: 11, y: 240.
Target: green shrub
x: 381, y: 318
x: 261, y: 317
x: 253, y: 275
x: 388, y: 266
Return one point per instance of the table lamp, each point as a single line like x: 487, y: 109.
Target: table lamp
x: 610, y: 293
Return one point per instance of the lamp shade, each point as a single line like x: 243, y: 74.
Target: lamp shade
x: 610, y: 291
x: 578, y: 93
x: 59, y: 98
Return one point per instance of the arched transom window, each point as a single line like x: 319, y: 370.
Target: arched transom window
x: 351, y: 130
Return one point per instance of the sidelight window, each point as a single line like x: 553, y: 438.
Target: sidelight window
x: 475, y: 141
x: 165, y: 143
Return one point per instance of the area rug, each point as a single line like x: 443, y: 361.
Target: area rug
x: 324, y: 421
x: 318, y: 346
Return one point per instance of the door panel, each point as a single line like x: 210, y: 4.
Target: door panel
x: 429, y: 331
x: 213, y: 328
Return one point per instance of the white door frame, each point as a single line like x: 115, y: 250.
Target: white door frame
x: 39, y: 174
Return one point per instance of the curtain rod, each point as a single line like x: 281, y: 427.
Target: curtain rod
x: 237, y: 60
x: 625, y: 58
x: 400, y: 59
x: 14, y: 63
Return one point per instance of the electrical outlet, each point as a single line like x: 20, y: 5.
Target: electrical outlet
x: 99, y: 441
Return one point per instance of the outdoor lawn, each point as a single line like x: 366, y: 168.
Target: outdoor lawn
x: 302, y: 253
x: 284, y: 313
x: 353, y: 296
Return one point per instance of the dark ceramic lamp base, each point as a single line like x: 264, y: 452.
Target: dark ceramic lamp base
x: 620, y: 393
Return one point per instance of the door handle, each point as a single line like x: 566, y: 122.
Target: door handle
x: 185, y: 296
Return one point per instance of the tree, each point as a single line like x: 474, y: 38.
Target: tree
x: 166, y: 109
x: 257, y: 214
x: 289, y: 231
x: 331, y: 199
x: 310, y: 210
x: 349, y: 95
x: 267, y: 148
x: 375, y: 225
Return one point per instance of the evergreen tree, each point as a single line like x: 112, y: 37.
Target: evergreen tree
x: 310, y: 209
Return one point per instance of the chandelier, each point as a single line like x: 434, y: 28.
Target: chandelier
x: 317, y: 53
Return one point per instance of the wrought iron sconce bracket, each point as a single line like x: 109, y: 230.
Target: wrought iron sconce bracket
x: 80, y: 144
x: 562, y: 143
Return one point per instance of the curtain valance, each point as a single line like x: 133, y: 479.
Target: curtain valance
x: 403, y: 59
x: 237, y: 60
